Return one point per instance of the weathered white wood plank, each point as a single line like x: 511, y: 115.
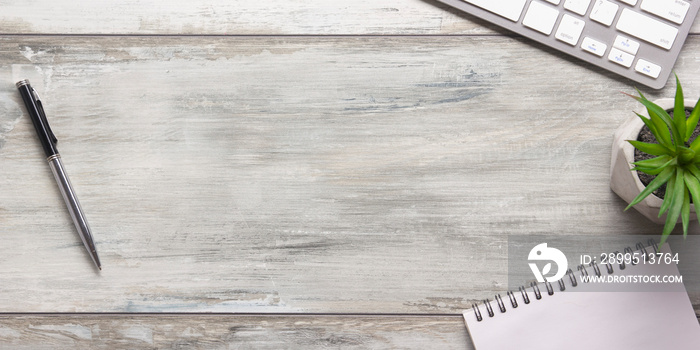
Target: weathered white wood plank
x: 305, y: 174
x: 231, y: 332
x: 234, y: 17
x: 222, y: 17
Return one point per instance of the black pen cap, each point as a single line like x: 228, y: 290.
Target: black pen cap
x: 36, y: 113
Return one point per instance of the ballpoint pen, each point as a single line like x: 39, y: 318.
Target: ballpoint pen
x: 48, y: 142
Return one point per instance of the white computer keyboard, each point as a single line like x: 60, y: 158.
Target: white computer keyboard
x: 638, y: 39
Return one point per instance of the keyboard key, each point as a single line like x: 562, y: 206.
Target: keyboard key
x: 594, y: 46
x: 604, y: 12
x: 555, y: 2
x: 627, y: 45
x: 630, y: 2
x: 570, y: 29
x: 647, y: 28
x: 672, y: 10
x: 620, y: 57
x: 647, y: 68
x: 510, y: 9
x: 541, y: 17
x: 577, y: 6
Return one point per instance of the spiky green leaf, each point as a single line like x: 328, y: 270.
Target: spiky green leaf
x: 649, y: 171
x: 659, y: 129
x: 654, y: 107
x: 663, y: 240
x: 692, y: 121
x: 654, y: 111
x: 676, y: 206
x: 685, y: 155
x: 679, y: 112
x: 693, y: 170
x: 654, y: 162
x: 660, y: 179
x: 685, y: 211
x: 647, y: 122
x: 695, y: 145
x: 656, y: 165
x: 668, y: 197
x: 654, y: 149
x: 693, y: 185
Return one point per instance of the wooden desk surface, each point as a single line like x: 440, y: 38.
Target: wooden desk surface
x: 290, y: 174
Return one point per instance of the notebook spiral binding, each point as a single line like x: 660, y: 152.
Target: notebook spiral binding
x: 512, y: 296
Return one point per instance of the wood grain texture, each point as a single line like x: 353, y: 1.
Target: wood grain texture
x: 70, y: 332
x: 289, y: 157
x: 240, y: 17
x: 264, y: 174
x: 220, y: 17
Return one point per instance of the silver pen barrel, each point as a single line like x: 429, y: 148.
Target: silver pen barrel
x: 76, y: 212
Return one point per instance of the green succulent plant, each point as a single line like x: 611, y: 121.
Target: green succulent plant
x: 676, y: 162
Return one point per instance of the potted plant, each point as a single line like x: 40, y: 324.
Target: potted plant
x: 673, y: 161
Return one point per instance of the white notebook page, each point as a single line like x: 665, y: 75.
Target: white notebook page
x: 574, y: 320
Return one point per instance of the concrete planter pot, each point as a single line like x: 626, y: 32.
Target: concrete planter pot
x: 623, y: 180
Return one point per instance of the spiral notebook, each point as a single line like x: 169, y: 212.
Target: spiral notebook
x: 569, y: 314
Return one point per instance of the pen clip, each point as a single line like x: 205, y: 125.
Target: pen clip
x: 42, y: 115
